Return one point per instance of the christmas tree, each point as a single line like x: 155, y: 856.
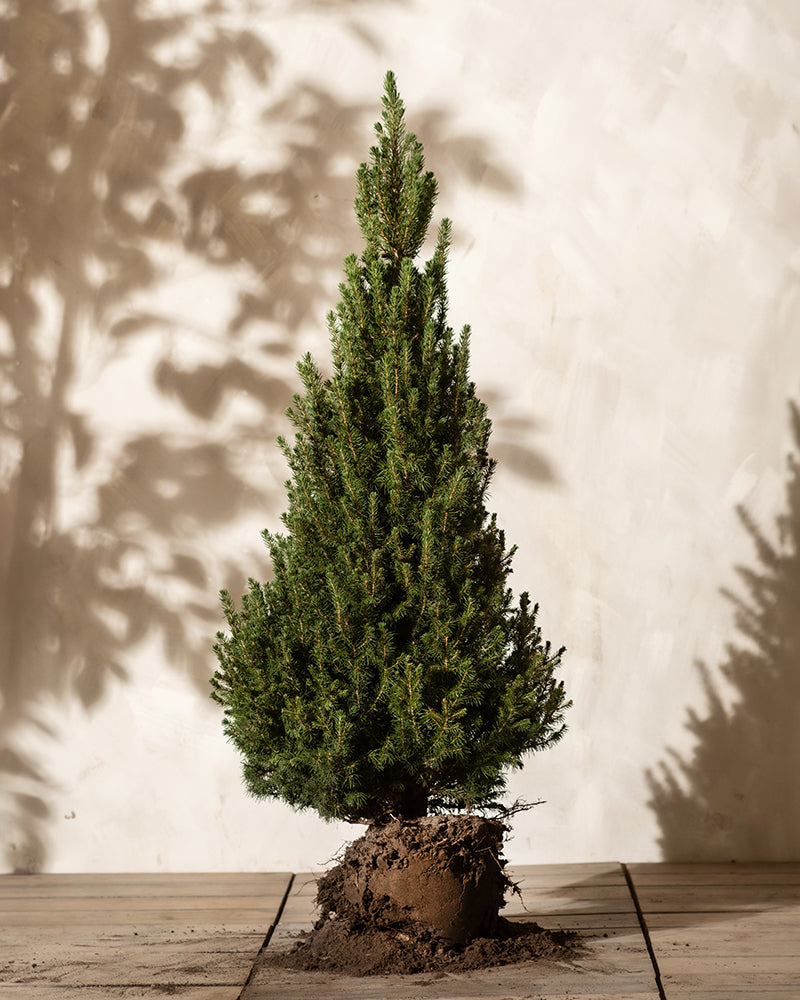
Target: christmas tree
x: 386, y: 671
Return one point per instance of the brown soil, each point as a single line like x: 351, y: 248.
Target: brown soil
x: 440, y: 873
x: 419, y: 896
x: 339, y: 946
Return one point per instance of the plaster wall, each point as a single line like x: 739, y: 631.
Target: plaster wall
x: 624, y: 187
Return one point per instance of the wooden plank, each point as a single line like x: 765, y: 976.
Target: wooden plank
x: 696, y: 924
x: 582, y: 895
x: 18, y: 889
x: 186, y: 900
x: 730, y: 940
x: 699, y: 924
x: 569, y: 872
x: 72, y: 958
x: 202, y: 880
x: 14, y: 991
x: 573, y: 899
x: 129, y: 905
x: 723, y: 930
x: 547, y: 891
x: 716, y: 878
x: 598, y: 925
x: 708, y: 898
x: 549, y: 882
x: 185, y: 884
x: 684, y: 989
x: 555, y: 981
x: 558, y: 876
x: 299, y: 912
x: 507, y: 983
x: 123, y: 962
x: 721, y: 968
x: 673, y: 872
x: 737, y: 983
x: 123, y: 934
x: 250, y: 918
x: 753, y: 991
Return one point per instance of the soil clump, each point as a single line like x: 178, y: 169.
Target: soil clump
x: 420, y: 896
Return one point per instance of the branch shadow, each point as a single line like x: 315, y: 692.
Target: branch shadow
x: 512, y: 441
x: 87, y: 138
x: 93, y: 193
x: 737, y: 797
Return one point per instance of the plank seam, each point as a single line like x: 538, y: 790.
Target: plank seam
x: 645, y: 932
x: 268, y: 938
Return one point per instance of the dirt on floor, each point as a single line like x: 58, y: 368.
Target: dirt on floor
x: 420, y: 896
x: 340, y: 946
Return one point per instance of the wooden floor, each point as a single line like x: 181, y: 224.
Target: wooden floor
x: 654, y: 931
x: 193, y: 936
x: 723, y: 931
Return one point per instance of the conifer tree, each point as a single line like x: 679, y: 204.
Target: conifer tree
x: 385, y: 670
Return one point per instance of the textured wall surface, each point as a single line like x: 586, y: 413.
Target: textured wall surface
x: 175, y: 203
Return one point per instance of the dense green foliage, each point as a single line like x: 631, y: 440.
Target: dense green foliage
x: 385, y: 669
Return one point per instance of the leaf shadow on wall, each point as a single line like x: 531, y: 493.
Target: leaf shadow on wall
x: 737, y: 797
x: 91, y: 198
x: 512, y: 440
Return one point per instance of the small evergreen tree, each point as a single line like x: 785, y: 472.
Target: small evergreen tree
x: 385, y: 671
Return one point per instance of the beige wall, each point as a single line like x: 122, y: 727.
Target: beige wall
x: 176, y: 202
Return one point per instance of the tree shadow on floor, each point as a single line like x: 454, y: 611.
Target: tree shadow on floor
x: 737, y: 796
x: 737, y: 900
x: 95, y: 197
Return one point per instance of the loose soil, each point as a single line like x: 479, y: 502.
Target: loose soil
x: 420, y: 896
x: 340, y: 946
